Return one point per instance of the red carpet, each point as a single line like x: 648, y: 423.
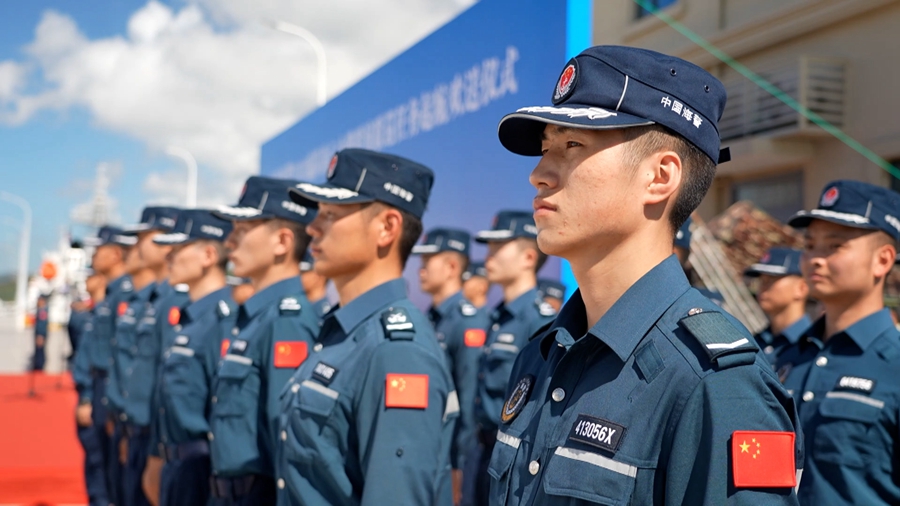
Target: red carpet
x: 40, y: 456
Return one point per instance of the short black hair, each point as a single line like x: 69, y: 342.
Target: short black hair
x: 527, y: 242
x: 699, y: 170
x: 221, y: 252
x: 410, y: 232
x: 301, y: 238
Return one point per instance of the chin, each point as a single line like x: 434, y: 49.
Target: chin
x: 551, y: 247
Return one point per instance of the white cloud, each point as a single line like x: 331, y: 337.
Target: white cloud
x: 210, y: 77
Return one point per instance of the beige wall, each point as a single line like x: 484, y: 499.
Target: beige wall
x: 768, y: 34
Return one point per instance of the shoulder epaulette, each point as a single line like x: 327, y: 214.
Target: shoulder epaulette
x: 397, y: 324
x: 181, y: 288
x: 126, y: 286
x: 544, y: 308
x: 719, y: 337
x: 467, y: 309
x: 289, y: 306
x: 223, y: 309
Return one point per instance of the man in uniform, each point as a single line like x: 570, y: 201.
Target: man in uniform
x: 642, y: 391
x: 314, y: 284
x: 781, y: 294
x: 460, y: 328
x: 271, y: 337
x: 475, y: 284
x: 552, y: 292
x: 843, y: 373
x: 140, y: 345
x: 368, y: 419
x: 512, y: 262
x: 41, y: 324
x: 197, y: 259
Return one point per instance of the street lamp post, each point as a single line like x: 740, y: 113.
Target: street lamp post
x: 22, y: 276
x: 313, y: 41
x: 188, y: 159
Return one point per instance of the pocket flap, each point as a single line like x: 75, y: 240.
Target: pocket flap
x: 317, y: 398
x: 503, y: 456
x: 589, y: 476
x: 851, y: 406
x: 235, y: 367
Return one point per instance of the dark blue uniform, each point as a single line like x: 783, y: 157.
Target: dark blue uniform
x: 272, y: 335
x: 185, y: 387
x: 461, y: 330
x: 322, y: 307
x: 90, y: 437
x: 75, y: 328
x: 640, y: 408
x: 41, y: 324
x: 773, y: 346
x: 368, y: 419
x: 848, y: 397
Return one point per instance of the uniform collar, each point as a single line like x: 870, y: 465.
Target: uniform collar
x: 797, y: 329
x: 161, y: 289
x: 145, y: 293
x: 116, y: 284
x: 271, y: 294
x: 449, y: 303
x: 520, y: 304
x: 629, y: 319
x: 207, y: 303
x: 365, y: 305
x: 864, y: 332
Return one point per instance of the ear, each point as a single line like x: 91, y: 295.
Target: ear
x: 209, y: 257
x: 884, y: 259
x: 529, y: 255
x: 283, y: 242
x: 801, y: 290
x: 663, y: 173
x: 390, y: 227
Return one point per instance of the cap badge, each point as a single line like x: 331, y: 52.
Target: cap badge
x: 566, y: 83
x: 829, y: 197
x: 766, y: 258
x: 331, y: 165
x: 517, y: 399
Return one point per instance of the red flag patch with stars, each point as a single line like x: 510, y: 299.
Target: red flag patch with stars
x: 123, y: 306
x: 406, y: 391
x: 174, y: 316
x: 290, y: 353
x: 474, y: 338
x: 763, y: 459
x: 226, y: 343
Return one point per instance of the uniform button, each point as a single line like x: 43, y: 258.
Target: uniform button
x: 808, y: 396
x: 234, y: 331
x: 561, y: 345
x: 694, y: 311
x: 822, y: 361
x: 280, y: 482
x: 495, y: 327
x: 295, y: 388
x: 209, y: 435
x: 214, y: 399
x: 284, y: 435
x: 768, y: 349
x: 487, y: 350
x: 317, y: 347
x: 533, y: 467
x: 558, y: 394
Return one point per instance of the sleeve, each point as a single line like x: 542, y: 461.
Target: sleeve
x: 155, y: 401
x: 465, y: 377
x: 403, y: 438
x: 701, y: 464
x: 81, y: 368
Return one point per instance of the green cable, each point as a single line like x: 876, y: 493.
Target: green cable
x: 770, y: 88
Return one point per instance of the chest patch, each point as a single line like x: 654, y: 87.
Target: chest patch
x: 239, y: 345
x: 468, y: 309
x: 597, y: 432
x: 517, y: 399
x: 324, y: 373
x: 474, y: 338
x: 856, y: 383
x: 181, y: 340
x: 226, y: 343
x: 174, y: 316
x: 289, y: 306
x: 290, y: 353
x: 506, y: 338
x: 224, y: 310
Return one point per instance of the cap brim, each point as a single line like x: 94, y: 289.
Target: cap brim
x: 803, y: 218
x: 135, y: 229
x: 520, y: 132
x: 171, y: 239
x: 756, y: 269
x: 424, y: 249
x: 235, y: 213
x: 311, y: 195
x: 493, y: 235
x: 92, y: 242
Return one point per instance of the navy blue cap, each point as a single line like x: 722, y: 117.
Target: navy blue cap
x: 551, y: 288
x: 307, y: 263
x: 444, y: 239
x: 608, y: 87
x: 475, y: 269
x: 683, y: 236
x: 509, y: 225
x: 265, y: 198
x: 155, y: 218
x: 855, y: 204
x: 358, y: 176
x: 777, y: 262
x: 196, y: 224
x: 111, y: 235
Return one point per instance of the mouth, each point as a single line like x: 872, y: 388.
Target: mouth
x: 542, y: 206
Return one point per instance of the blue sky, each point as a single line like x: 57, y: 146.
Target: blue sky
x: 116, y: 81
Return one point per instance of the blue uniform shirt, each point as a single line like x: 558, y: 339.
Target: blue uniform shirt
x: 511, y: 326
x: 637, y: 409
x: 461, y: 330
x: 139, y: 380
x: 773, y: 345
x: 130, y: 310
x: 273, y: 332
x: 81, y: 367
x: 96, y: 352
x: 189, y: 365
x: 368, y: 419
x: 322, y: 307
x: 848, y: 394
x: 41, y: 322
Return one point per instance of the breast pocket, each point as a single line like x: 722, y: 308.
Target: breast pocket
x: 499, y: 361
x: 847, y: 433
x: 573, y: 476
x: 148, y: 344
x: 310, y: 408
x: 237, y: 387
x: 500, y: 467
x: 182, y: 379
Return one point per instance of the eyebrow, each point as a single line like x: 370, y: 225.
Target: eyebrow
x: 556, y: 128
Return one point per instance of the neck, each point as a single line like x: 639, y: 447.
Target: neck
x: 274, y: 274
x: 352, y: 285
x: 522, y: 284
x: 841, y: 313
x: 115, y: 272
x: 316, y: 293
x: 786, y: 317
x: 212, y: 280
x: 446, y: 291
x: 161, y: 273
x: 605, y: 274
x: 142, y: 278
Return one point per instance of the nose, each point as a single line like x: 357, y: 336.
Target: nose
x: 544, y: 175
x: 313, y: 228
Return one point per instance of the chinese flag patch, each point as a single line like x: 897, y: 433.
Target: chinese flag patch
x: 763, y: 459
x: 406, y: 391
x: 123, y: 306
x: 226, y: 343
x: 290, y: 353
x: 174, y: 316
x: 474, y: 338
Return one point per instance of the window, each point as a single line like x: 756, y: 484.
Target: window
x: 781, y: 196
x: 656, y: 4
